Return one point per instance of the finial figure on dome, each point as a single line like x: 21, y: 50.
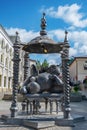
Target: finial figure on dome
x: 43, y: 25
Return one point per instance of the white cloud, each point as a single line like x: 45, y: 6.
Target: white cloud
x: 72, y: 52
x: 78, y: 37
x: 57, y: 34
x: 25, y: 35
x: 69, y: 13
x: 77, y: 41
x: 53, y: 59
x: 83, y: 49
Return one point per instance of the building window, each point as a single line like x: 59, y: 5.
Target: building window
x: 10, y: 51
x: 2, y: 60
x: 85, y: 65
x: 3, y: 44
x: 7, y: 48
x: 6, y: 62
x: 0, y: 80
x: 4, y: 81
x: 9, y: 78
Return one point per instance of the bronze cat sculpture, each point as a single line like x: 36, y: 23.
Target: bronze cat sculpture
x: 44, y: 82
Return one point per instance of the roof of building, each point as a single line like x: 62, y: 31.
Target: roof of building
x: 11, y: 38
x: 32, y: 60
x: 2, y: 28
x: 77, y: 57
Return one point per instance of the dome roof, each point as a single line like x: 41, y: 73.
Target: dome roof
x: 42, y: 43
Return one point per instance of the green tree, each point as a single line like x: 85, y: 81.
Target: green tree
x: 45, y: 64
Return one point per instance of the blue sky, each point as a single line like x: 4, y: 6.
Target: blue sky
x: 24, y: 16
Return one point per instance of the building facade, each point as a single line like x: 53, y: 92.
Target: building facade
x: 6, y: 65
x: 78, y: 69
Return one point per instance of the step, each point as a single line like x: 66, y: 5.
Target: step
x: 38, y: 124
x: 9, y: 97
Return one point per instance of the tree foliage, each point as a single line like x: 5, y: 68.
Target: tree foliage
x: 43, y: 66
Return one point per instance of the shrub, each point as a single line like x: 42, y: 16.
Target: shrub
x: 76, y: 88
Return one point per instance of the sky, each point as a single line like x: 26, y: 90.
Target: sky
x: 24, y: 16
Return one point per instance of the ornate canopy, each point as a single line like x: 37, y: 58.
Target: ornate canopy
x: 43, y: 44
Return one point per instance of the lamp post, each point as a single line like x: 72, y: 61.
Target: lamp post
x: 16, y: 61
x: 65, y: 74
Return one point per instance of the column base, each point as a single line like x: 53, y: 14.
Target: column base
x: 13, y: 111
x: 67, y: 113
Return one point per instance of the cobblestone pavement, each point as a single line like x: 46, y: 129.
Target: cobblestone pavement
x: 77, y: 108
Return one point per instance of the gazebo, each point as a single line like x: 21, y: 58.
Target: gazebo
x: 44, y: 45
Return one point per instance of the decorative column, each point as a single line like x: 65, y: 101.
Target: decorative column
x: 16, y: 61
x: 26, y: 65
x: 26, y: 75
x: 65, y: 75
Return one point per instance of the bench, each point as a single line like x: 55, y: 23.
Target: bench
x: 32, y: 102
